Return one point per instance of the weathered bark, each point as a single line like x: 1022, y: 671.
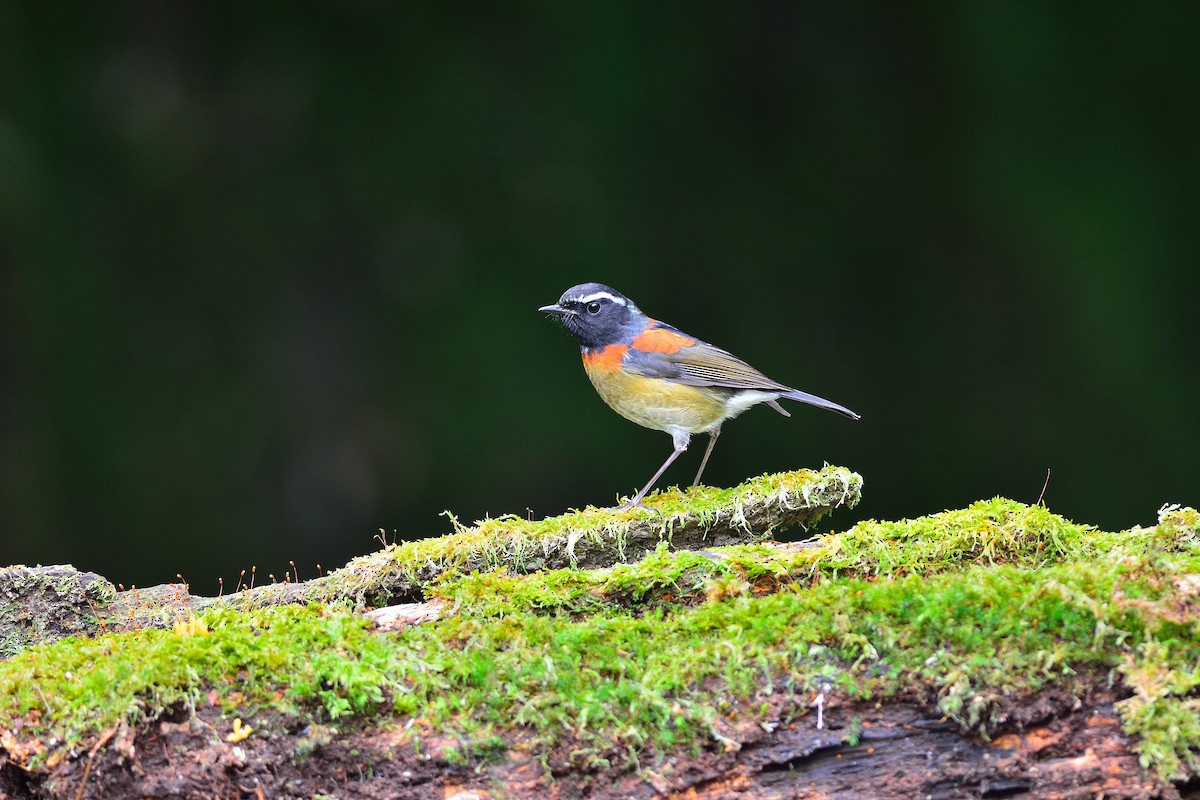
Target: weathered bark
x: 1054, y: 746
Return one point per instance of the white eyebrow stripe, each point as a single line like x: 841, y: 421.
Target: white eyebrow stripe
x: 602, y: 296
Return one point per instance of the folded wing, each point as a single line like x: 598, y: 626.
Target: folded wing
x: 702, y: 364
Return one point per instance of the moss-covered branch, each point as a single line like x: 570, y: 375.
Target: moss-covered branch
x: 594, y: 537
x: 43, y: 604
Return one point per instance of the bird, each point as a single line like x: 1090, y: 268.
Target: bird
x: 661, y: 378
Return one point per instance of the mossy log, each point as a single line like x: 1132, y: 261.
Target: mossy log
x: 998, y: 650
x: 41, y: 604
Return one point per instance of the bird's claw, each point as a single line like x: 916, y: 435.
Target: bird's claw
x: 629, y: 505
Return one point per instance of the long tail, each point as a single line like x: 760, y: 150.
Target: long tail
x: 819, y: 402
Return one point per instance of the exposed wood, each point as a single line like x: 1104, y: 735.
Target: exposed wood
x: 1054, y: 746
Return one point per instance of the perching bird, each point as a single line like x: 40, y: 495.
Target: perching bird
x: 653, y: 374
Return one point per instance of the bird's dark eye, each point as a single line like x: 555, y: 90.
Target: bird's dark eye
x: 593, y: 308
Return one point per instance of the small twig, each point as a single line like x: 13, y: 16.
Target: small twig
x: 87, y: 768
x: 37, y: 688
x: 87, y: 771
x: 1044, y: 485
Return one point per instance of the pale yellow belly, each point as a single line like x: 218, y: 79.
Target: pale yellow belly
x: 660, y: 405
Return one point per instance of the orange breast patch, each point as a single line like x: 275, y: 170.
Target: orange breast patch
x: 661, y: 340
x: 607, y: 359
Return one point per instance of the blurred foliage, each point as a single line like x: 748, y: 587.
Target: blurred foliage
x: 268, y: 271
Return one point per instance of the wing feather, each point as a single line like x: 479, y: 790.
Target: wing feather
x: 702, y: 364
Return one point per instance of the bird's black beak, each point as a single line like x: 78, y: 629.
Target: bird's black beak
x: 555, y: 309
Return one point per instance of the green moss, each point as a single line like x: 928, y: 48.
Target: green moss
x: 1163, y: 711
x: 668, y: 652
x: 589, y: 538
x: 995, y: 531
x: 988, y: 533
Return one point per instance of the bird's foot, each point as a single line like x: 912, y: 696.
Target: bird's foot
x: 636, y: 502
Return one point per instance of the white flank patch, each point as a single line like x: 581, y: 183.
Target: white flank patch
x: 745, y: 399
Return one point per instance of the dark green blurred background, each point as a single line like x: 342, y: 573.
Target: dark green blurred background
x: 270, y: 271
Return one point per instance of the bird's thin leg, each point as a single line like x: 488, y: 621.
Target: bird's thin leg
x: 712, y: 440
x: 681, y: 444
